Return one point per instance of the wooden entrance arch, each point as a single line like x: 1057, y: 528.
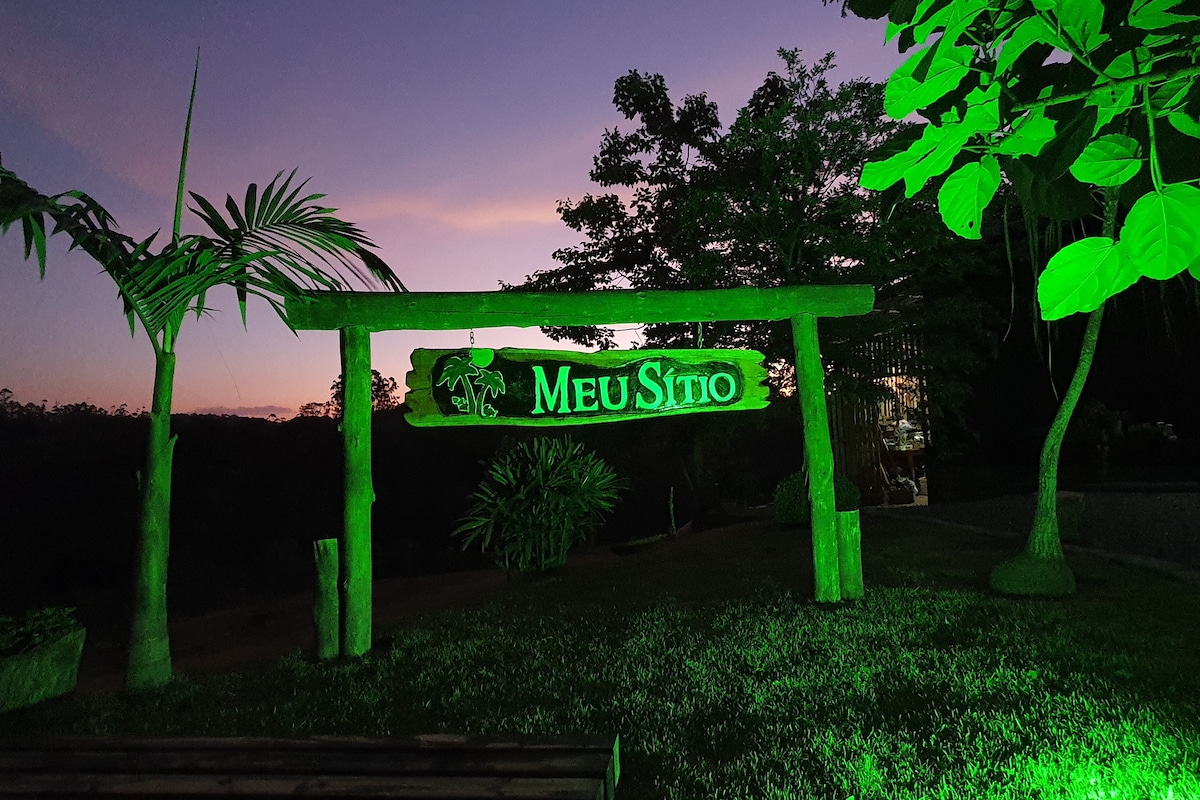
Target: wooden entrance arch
x: 358, y: 314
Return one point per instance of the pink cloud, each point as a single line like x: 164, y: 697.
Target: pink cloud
x: 480, y: 215
x: 111, y: 125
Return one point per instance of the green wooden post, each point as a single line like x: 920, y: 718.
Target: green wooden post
x: 325, y: 608
x: 360, y: 494
x: 818, y: 455
x: 849, y: 534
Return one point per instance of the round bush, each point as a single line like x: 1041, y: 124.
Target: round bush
x: 791, y: 497
x: 846, y: 496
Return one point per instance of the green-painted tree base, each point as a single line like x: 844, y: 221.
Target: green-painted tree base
x: 1033, y: 576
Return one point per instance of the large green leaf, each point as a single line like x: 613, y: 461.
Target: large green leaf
x: 1113, y: 102
x: 1151, y: 15
x: 917, y: 141
x: 966, y: 193
x: 960, y: 16
x: 1171, y: 96
x: 1073, y: 133
x: 983, y: 109
x: 1162, y: 231
x: 948, y: 141
x: 1030, y: 134
x: 879, y: 175
x: 925, y: 77
x: 1108, y: 161
x: 930, y: 15
x: 1031, y: 30
x: 900, y: 17
x: 1082, y: 275
x: 1081, y: 20
x: 1184, y: 123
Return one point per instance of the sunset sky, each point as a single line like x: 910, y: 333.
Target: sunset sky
x: 448, y: 131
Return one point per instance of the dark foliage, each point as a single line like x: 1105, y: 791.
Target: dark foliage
x: 251, y: 495
x: 774, y: 201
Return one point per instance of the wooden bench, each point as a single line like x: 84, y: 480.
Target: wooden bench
x: 436, y: 765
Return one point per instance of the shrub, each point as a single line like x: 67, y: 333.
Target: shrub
x: 37, y: 628
x: 791, y: 497
x: 538, y: 500
x: 846, y: 496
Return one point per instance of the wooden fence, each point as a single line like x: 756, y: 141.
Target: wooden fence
x: 854, y: 424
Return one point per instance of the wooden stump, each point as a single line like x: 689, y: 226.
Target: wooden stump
x: 849, y: 539
x: 325, y: 608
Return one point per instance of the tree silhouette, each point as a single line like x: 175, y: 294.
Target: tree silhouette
x: 771, y: 202
x: 385, y: 394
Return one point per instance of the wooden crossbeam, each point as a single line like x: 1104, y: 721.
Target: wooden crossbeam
x: 389, y: 311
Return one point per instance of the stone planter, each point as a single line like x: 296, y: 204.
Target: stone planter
x: 49, y: 670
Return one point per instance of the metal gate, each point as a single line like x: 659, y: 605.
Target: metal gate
x: 854, y: 424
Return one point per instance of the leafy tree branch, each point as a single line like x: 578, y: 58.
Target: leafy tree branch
x: 1116, y: 83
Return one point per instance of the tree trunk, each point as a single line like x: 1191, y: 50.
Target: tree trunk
x: 149, y: 646
x: 1041, y: 569
x: 1044, y: 540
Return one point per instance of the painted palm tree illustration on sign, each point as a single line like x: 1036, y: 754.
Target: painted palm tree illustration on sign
x: 262, y: 250
x: 470, y: 371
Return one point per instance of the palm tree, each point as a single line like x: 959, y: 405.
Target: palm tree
x: 262, y: 250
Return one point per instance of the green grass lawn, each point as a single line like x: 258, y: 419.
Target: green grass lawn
x: 724, y: 680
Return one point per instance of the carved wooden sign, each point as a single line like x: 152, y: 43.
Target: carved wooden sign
x: 556, y: 387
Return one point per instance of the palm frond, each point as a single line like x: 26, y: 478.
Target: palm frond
x: 19, y: 202
x: 299, y: 232
x: 165, y: 285
x: 183, y: 158
x: 263, y: 253
x: 88, y: 224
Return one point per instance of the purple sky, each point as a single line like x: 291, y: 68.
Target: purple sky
x: 448, y: 131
